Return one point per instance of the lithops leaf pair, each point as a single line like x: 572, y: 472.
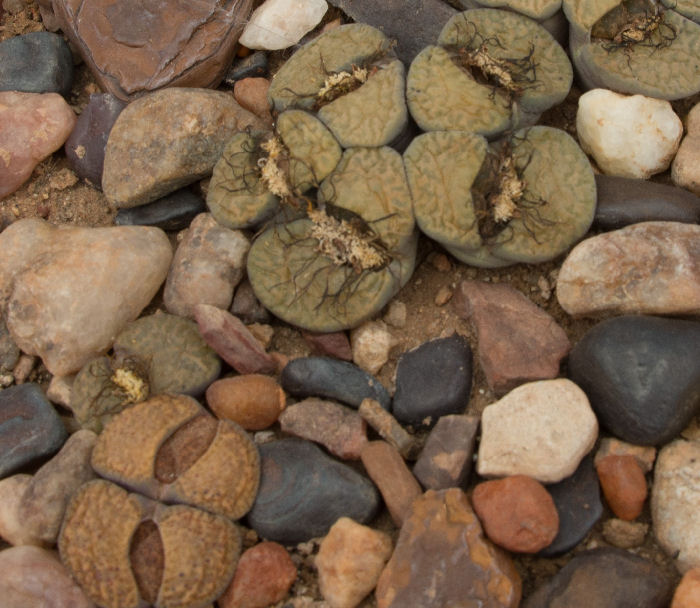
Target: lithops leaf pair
x: 495, y: 205
x: 260, y: 169
x: 493, y: 71
x: 350, y: 78
x: 635, y: 46
x: 127, y: 551
x: 352, y: 253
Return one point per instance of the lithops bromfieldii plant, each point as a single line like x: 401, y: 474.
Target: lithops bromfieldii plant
x: 352, y: 80
x: 352, y: 253
x: 634, y: 46
x: 507, y: 202
x: 127, y: 551
x: 259, y: 169
x: 493, y: 71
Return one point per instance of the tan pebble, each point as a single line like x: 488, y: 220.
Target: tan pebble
x: 262, y: 332
x: 254, y: 401
x: 624, y: 534
x: 443, y: 296
x: 687, y: 593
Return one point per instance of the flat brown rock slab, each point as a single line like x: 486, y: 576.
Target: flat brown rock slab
x: 442, y: 534
x: 647, y: 268
x: 518, y: 341
x: 136, y: 46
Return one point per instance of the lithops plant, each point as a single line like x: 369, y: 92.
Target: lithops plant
x: 168, y: 448
x: 687, y: 8
x: 260, y: 169
x: 127, y: 551
x: 493, y: 71
x: 495, y: 205
x: 634, y: 46
x: 352, y: 253
x: 352, y: 80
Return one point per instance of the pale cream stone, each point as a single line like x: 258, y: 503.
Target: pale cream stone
x: 279, y: 24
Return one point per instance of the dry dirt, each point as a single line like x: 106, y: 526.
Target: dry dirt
x: 55, y: 194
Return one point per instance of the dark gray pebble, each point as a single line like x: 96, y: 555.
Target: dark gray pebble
x: 332, y: 379
x: 577, y: 500
x: 85, y: 147
x: 172, y: 212
x: 246, y: 305
x: 252, y: 66
x: 433, y: 380
x: 30, y: 428
x: 623, y: 201
x: 641, y: 375
x: 303, y: 492
x: 605, y: 578
x: 39, y: 62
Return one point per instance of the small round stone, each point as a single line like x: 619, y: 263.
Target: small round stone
x: 624, y: 485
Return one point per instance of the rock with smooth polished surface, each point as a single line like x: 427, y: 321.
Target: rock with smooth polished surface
x: 687, y: 593
x: 279, y: 24
x: 173, y: 211
x: 623, y: 484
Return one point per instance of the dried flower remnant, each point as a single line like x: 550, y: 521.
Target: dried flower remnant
x: 634, y: 23
x: 272, y: 168
x: 338, y: 84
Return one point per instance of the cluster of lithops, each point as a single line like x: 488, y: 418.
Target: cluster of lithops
x: 648, y: 47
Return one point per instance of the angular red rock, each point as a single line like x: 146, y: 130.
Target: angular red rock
x: 624, y: 485
x: 334, y: 344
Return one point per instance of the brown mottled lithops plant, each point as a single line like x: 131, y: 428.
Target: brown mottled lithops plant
x: 169, y: 448
x: 493, y: 71
x: 352, y: 80
x: 259, y: 169
x: 641, y: 47
x: 351, y: 254
x: 127, y: 551
x: 495, y: 205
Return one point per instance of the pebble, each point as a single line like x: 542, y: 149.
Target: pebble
x: 675, y: 496
x: 232, y: 341
x: 397, y: 485
x: 350, y: 559
x: 279, y: 24
x: 388, y: 428
x: 687, y: 593
x: 446, y: 458
x: 541, y: 429
x: 30, y: 576
x: 624, y: 534
x: 303, y: 493
x: 517, y: 513
x: 332, y: 379
x: 12, y: 529
x: 624, y: 485
x: 136, y: 48
x: 628, y: 136
x: 647, y: 268
x: 433, y: 380
x: 177, y: 358
x: 172, y: 212
x: 246, y: 305
x: 577, y: 499
x: 396, y: 314
x: 518, y: 342
x: 643, y: 454
x: 59, y: 390
x: 38, y: 62
x: 263, y: 577
x: 251, y: 94
x: 339, y: 429
x: 168, y: 139
x: 371, y: 344
x: 30, y: 428
x: 623, y: 201
x: 208, y: 264
x: 41, y: 122
x: 640, y: 374
x: 9, y: 353
x: 85, y: 147
x: 334, y: 344
x: 252, y: 66
x: 252, y: 401
x: 605, y: 578
x: 685, y: 171
x: 442, y: 534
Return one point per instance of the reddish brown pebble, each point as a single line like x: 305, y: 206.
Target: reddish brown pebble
x: 624, y: 485
x: 517, y: 513
x: 395, y: 481
x: 254, y: 401
x: 687, y: 593
x: 264, y: 575
x: 335, y: 344
x: 251, y: 93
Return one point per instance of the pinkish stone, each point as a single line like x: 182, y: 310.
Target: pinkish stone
x: 687, y: 593
x: 251, y: 94
x: 340, y: 429
x: 33, y: 126
x: 518, y: 341
x: 335, y: 344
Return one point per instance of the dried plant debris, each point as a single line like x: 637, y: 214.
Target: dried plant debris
x: 492, y: 71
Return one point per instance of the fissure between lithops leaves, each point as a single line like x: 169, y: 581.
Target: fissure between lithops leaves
x: 272, y: 172
x: 338, y: 84
x: 634, y: 23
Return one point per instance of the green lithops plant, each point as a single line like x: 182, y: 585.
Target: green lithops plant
x: 687, y: 8
x: 493, y: 71
x: 507, y: 202
x: 352, y: 253
x: 635, y: 46
x: 258, y: 169
x: 352, y: 79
